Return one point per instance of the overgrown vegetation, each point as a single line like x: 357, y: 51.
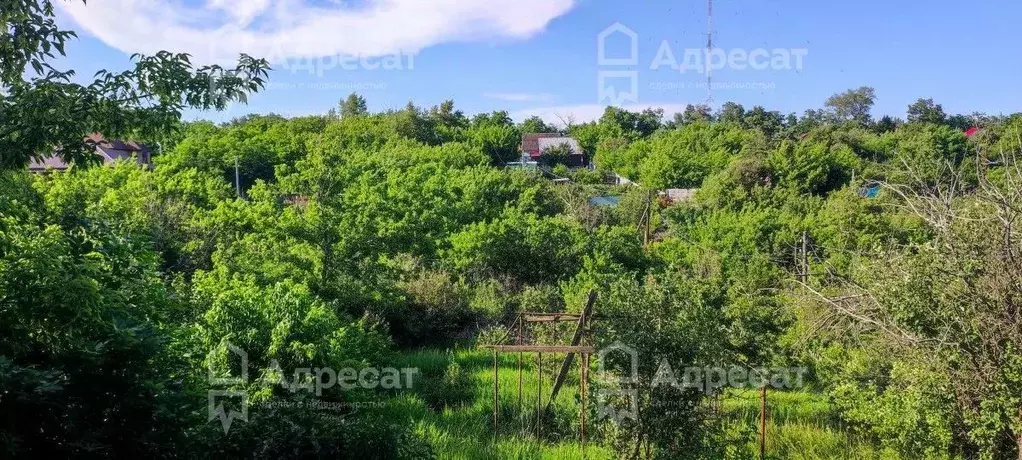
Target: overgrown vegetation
x: 396, y: 240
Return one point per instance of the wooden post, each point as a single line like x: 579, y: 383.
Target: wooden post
x: 805, y: 258
x: 521, y: 355
x: 649, y: 215
x: 582, y: 378
x: 575, y: 340
x: 762, y: 423
x: 1018, y: 435
x: 496, y: 383
x: 539, y: 391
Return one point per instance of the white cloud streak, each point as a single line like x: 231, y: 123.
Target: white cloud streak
x: 284, y: 29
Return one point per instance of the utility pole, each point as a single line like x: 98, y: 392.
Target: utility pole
x: 237, y: 177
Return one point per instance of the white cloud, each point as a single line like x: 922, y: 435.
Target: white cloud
x: 520, y: 97
x: 282, y: 29
x: 588, y: 112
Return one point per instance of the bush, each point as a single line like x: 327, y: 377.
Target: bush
x: 455, y: 387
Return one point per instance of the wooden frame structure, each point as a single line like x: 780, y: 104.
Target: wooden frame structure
x: 575, y: 346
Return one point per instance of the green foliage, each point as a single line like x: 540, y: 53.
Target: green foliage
x: 812, y: 167
x: 358, y: 235
x: 84, y: 324
x: 852, y: 106
x: 452, y: 388
x: 497, y: 141
x: 353, y: 106
x: 557, y: 155
x: 46, y: 111
x: 927, y: 155
x: 525, y: 247
x: 535, y: 124
x: 926, y: 111
x: 677, y: 158
x: 904, y: 405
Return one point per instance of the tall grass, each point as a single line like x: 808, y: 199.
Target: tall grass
x: 801, y: 424
x: 464, y: 429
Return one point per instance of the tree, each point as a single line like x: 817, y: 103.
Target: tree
x: 85, y: 321
x: 556, y: 155
x: 499, y: 142
x: 617, y: 122
x: 768, y: 122
x: 528, y: 248
x: 964, y: 122
x: 44, y: 111
x: 694, y: 113
x: 535, y: 124
x: 886, y: 124
x: 926, y: 111
x: 413, y: 123
x: 448, y: 123
x: 731, y: 112
x: 354, y: 106
x: 852, y: 105
x: 945, y: 311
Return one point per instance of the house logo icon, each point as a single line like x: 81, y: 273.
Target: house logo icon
x: 632, y: 376
x: 601, y: 46
x: 620, y: 402
x: 618, y: 85
x: 216, y: 398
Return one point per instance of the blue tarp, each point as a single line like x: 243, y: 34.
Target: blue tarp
x: 605, y: 200
x: 870, y: 191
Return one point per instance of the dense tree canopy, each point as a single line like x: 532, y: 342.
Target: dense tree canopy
x: 881, y: 256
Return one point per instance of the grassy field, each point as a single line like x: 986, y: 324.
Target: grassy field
x: 451, y: 408
x: 800, y: 425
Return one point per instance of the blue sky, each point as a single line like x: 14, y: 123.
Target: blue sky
x: 540, y: 56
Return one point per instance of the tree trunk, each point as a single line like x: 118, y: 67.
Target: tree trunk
x: 1018, y: 440
x: 1018, y: 435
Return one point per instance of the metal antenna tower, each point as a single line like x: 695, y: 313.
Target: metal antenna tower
x: 709, y: 49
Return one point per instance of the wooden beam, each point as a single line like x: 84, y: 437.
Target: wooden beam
x: 543, y: 348
x: 542, y: 317
x: 575, y: 340
x: 549, y: 319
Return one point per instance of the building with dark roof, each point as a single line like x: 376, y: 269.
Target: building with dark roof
x: 108, y: 150
x: 534, y: 144
x: 530, y: 142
